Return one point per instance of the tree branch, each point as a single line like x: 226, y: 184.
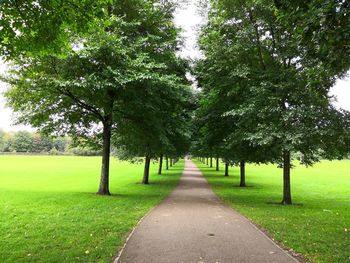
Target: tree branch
x: 257, y: 36
x: 82, y: 104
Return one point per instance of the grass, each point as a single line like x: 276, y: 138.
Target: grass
x: 49, y: 212
x: 318, y: 225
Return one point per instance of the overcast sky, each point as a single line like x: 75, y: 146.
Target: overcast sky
x: 189, y: 20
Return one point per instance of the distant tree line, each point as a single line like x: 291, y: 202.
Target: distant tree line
x: 31, y: 142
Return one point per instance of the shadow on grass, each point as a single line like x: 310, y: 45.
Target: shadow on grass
x: 156, y: 183
x: 280, y: 204
x: 175, y: 169
x: 211, y: 175
x: 205, y: 167
x: 243, y: 187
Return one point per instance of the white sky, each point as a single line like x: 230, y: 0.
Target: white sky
x: 189, y: 20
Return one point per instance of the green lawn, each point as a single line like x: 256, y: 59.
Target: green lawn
x: 49, y: 212
x: 318, y: 225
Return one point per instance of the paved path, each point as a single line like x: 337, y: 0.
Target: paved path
x: 193, y: 225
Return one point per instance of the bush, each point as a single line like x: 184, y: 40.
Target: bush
x: 53, y: 151
x: 83, y: 151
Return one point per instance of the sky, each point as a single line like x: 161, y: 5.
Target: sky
x: 189, y: 20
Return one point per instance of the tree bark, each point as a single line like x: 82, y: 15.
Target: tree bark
x: 211, y: 161
x: 287, y: 197
x: 104, y: 181
x: 146, y: 170
x: 207, y: 161
x: 226, y: 169
x: 242, y: 170
x: 217, y: 164
x: 171, y: 162
x: 167, y: 163
x: 160, y: 164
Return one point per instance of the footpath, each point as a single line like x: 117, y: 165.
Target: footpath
x: 193, y: 225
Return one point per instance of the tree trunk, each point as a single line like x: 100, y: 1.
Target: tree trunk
x: 146, y: 170
x: 160, y: 164
x: 207, y: 161
x: 217, y: 164
x: 171, y: 162
x: 211, y: 161
x: 287, y: 197
x: 104, y: 181
x: 242, y: 168
x: 226, y: 169
x: 167, y: 163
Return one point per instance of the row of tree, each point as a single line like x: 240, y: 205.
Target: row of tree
x: 104, y: 72
x: 265, y: 77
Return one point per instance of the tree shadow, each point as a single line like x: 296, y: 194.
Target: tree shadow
x: 280, y: 204
x: 242, y: 187
x: 175, y: 169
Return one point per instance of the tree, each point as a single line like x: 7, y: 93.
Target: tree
x: 85, y: 93
x: 2, y: 141
x: 158, y: 125
x: 277, y: 104
x: 22, y: 141
x: 160, y: 164
x: 6, y: 140
x: 226, y: 168
x: 61, y: 143
x: 41, y: 143
x: 156, y: 121
x: 218, y: 132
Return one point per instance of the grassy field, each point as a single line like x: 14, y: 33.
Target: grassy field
x: 49, y: 212
x: 318, y: 225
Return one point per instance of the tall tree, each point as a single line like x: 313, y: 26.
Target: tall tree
x: 156, y: 119
x: 22, y: 141
x: 157, y: 125
x: 87, y: 91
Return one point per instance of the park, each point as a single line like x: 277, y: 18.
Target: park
x: 148, y: 137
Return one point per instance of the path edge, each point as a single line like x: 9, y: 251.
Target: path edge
x: 297, y: 259
x: 116, y: 258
